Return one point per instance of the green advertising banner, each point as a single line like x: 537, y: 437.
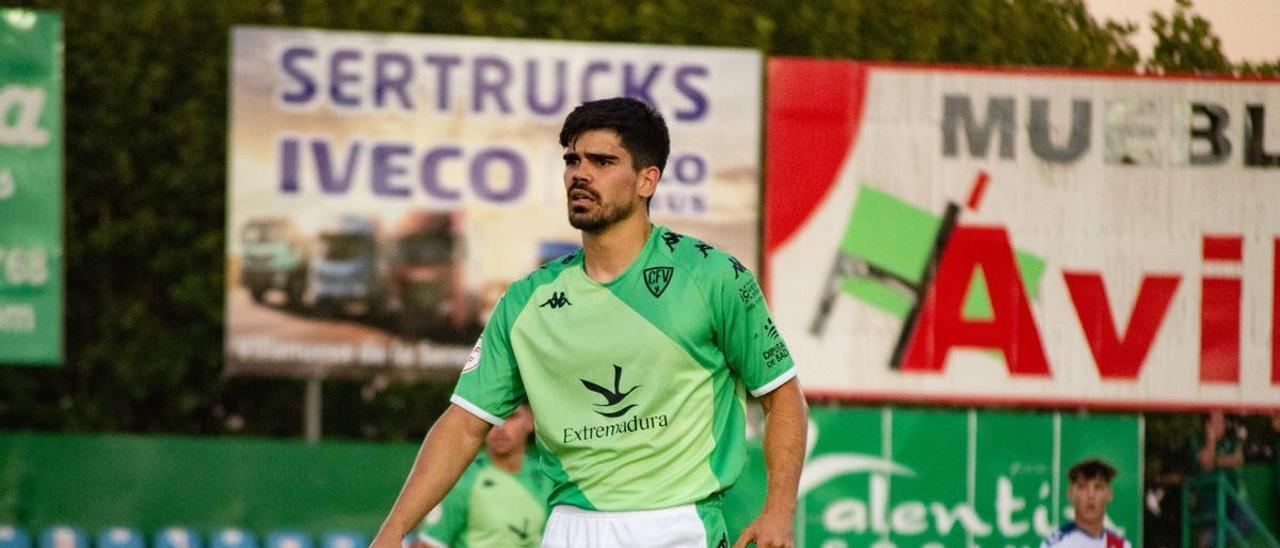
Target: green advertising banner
x: 914, y: 477
x: 878, y: 477
x: 30, y: 187
x: 94, y: 481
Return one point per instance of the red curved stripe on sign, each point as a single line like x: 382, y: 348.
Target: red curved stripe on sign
x: 814, y: 111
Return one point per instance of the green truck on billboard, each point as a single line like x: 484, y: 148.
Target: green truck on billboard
x: 275, y: 257
x: 30, y: 187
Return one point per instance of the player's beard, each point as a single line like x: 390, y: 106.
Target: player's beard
x: 604, y: 215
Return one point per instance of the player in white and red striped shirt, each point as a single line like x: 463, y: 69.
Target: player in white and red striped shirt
x: 1090, y: 493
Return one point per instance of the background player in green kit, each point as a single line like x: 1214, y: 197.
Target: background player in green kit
x: 500, y: 501
x: 636, y: 354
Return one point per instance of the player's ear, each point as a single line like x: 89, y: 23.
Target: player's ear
x: 648, y: 181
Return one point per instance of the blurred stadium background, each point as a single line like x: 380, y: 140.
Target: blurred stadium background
x: 233, y: 343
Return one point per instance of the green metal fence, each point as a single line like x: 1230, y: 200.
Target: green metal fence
x: 1212, y: 509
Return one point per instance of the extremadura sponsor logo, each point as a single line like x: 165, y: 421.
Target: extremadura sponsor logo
x: 600, y: 431
x: 615, y: 406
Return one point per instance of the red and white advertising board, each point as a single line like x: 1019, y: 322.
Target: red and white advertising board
x: 1044, y: 238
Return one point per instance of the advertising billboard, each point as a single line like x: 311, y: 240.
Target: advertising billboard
x: 384, y: 189
x: 1050, y: 238
x: 917, y: 477
x: 31, y: 327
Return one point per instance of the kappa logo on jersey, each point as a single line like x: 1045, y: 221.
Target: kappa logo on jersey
x: 671, y: 239
x: 473, y: 360
x: 558, y: 299
x: 738, y: 269
x: 657, y: 279
x: 614, y: 397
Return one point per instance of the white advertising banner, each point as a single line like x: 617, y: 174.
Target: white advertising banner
x: 385, y: 188
x: 984, y: 236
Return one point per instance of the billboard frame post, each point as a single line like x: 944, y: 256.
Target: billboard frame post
x: 312, y: 411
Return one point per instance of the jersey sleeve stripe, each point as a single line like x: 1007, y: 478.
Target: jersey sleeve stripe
x: 775, y: 383
x: 475, y: 410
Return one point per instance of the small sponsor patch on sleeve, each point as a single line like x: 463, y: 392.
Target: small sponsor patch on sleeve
x: 775, y: 354
x: 473, y: 360
x: 750, y: 294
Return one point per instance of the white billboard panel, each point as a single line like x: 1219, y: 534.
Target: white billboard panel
x: 385, y: 188
x: 1026, y: 237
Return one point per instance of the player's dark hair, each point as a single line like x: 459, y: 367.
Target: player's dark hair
x: 640, y: 127
x: 1089, y: 469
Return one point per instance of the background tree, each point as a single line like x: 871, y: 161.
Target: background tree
x: 1185, y: 43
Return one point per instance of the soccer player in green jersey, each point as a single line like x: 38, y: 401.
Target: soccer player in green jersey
x: 636, y: 354
x: 500, y: 501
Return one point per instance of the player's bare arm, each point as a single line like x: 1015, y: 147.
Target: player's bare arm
x: 785, y: 428
x: 448, y: 448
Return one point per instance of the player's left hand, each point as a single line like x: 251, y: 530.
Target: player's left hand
x: 770, y: 530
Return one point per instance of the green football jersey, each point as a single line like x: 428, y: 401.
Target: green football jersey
x: 637, y: 385
x: 491, y: 508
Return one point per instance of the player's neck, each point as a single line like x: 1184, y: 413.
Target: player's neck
x: 511, y: 462
x: 608, y: 253
x: 1093, y: 529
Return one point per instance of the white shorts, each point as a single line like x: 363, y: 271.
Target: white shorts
x: 698, y: 525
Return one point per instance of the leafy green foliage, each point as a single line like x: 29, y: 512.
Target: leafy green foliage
x: 1186, y: 43
x: 146, y: 106
x: 1170, y: 437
